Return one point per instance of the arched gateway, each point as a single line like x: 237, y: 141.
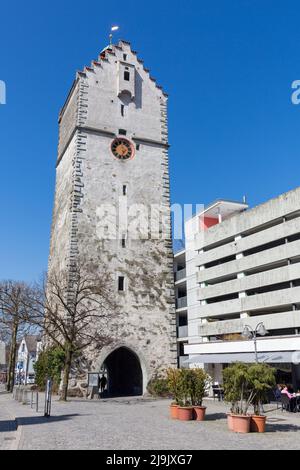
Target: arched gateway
x: 124, y: 373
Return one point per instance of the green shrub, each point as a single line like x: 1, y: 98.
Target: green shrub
x: 188, y: 386
x: 199, y: 383
x: 158, y: 387
x: 48, y: 366
x: 174, y: 384
x: 247, y: 384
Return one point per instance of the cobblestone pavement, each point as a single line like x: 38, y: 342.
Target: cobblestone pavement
x: 138, y: 424
x: 8, y: 428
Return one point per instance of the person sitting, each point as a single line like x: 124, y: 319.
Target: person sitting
x: 291, y: 396
x: 287, y: 392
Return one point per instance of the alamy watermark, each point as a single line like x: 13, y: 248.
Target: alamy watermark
x: 295, y: 96
x: 2, y: 92
x: 148, y: 221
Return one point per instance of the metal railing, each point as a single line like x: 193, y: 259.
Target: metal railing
x: 182, y: 362
x: 182, y: 331
x: 181, y: 302
x: 180, y: 274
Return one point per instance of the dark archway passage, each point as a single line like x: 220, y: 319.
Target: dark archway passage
x: 124, y: 373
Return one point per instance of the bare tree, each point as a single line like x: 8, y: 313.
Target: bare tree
x: 74, y: 310
x: 13, y: 321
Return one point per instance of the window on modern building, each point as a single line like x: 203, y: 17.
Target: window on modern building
x: 122, y: 109
x: 124, y: 190
x: 125, y: 57
x: 126, y: 76
x: 122, y: 132
x: 121, y: 283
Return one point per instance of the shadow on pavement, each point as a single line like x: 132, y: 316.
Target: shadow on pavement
x: 282, y: 428
x: 215, y: 416
x: 28, y: 420
x: 8, y: 425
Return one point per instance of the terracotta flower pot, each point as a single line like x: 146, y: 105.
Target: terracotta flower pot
x: 185, y: 413
x: 174, y: 411
x: 229, y: 422
x: 199, y: 413
x: 258, y: 423
x: 241, y: 423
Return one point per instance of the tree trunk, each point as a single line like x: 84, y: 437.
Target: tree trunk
x: 66, y: 374
x: 12, y: 358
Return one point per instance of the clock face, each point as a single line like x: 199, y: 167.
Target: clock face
x: 122, y: 148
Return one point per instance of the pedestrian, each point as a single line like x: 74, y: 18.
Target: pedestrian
x: 102, y: 382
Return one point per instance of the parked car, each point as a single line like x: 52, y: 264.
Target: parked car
x: 31, y: 379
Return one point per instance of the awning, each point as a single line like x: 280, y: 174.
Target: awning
x: 270, y: 357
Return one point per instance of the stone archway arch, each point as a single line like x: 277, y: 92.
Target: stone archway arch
x: 107, y: 356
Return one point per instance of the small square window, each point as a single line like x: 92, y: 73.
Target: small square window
x: 126, y: 76
x: 121, y: 283
x: 122, y: 132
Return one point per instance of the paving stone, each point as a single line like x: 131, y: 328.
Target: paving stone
x: 141, y: 424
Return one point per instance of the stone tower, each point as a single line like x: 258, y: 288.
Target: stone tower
x: 112, y: 154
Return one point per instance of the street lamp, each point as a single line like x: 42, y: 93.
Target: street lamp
x: 249, y: 333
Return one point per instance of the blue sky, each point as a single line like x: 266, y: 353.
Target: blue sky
x: 227, y: 65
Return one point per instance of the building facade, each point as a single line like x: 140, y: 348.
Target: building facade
x: 27, y: 356
x: 113, y: 154
x: 243, y: 270
x: 181, y: 307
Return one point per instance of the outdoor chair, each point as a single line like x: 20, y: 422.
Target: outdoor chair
x: 286, y: 403
x: 275, y: 396
x: 217, y: 392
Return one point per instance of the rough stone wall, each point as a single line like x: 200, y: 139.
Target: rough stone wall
x: 88, y: 176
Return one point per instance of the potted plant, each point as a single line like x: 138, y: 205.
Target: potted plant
x: 185, y: 408
x: 262, y: 378
x: 231, y: 395
x: 237, y: 388
x: 199, y: 383
x: 173, y: 381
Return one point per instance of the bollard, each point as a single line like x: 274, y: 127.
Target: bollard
x: 31, y: 399
x: 37, y: 402
x: 20, y: 395
x: 24, y: 398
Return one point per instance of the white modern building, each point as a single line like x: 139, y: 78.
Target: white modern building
x: 242, y: 269
x: 27, y: 356
x: 181, y: 306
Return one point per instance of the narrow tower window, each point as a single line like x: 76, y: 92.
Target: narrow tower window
x: 127, y: 76
x: 124, y: 190
x: 138, y: 146
x: 125, y: 57
x: 123, y: 242
x: 121, y: 283
x: 122, y: 109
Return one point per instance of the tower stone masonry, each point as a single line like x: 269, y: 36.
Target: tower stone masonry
x: 113, y: 152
